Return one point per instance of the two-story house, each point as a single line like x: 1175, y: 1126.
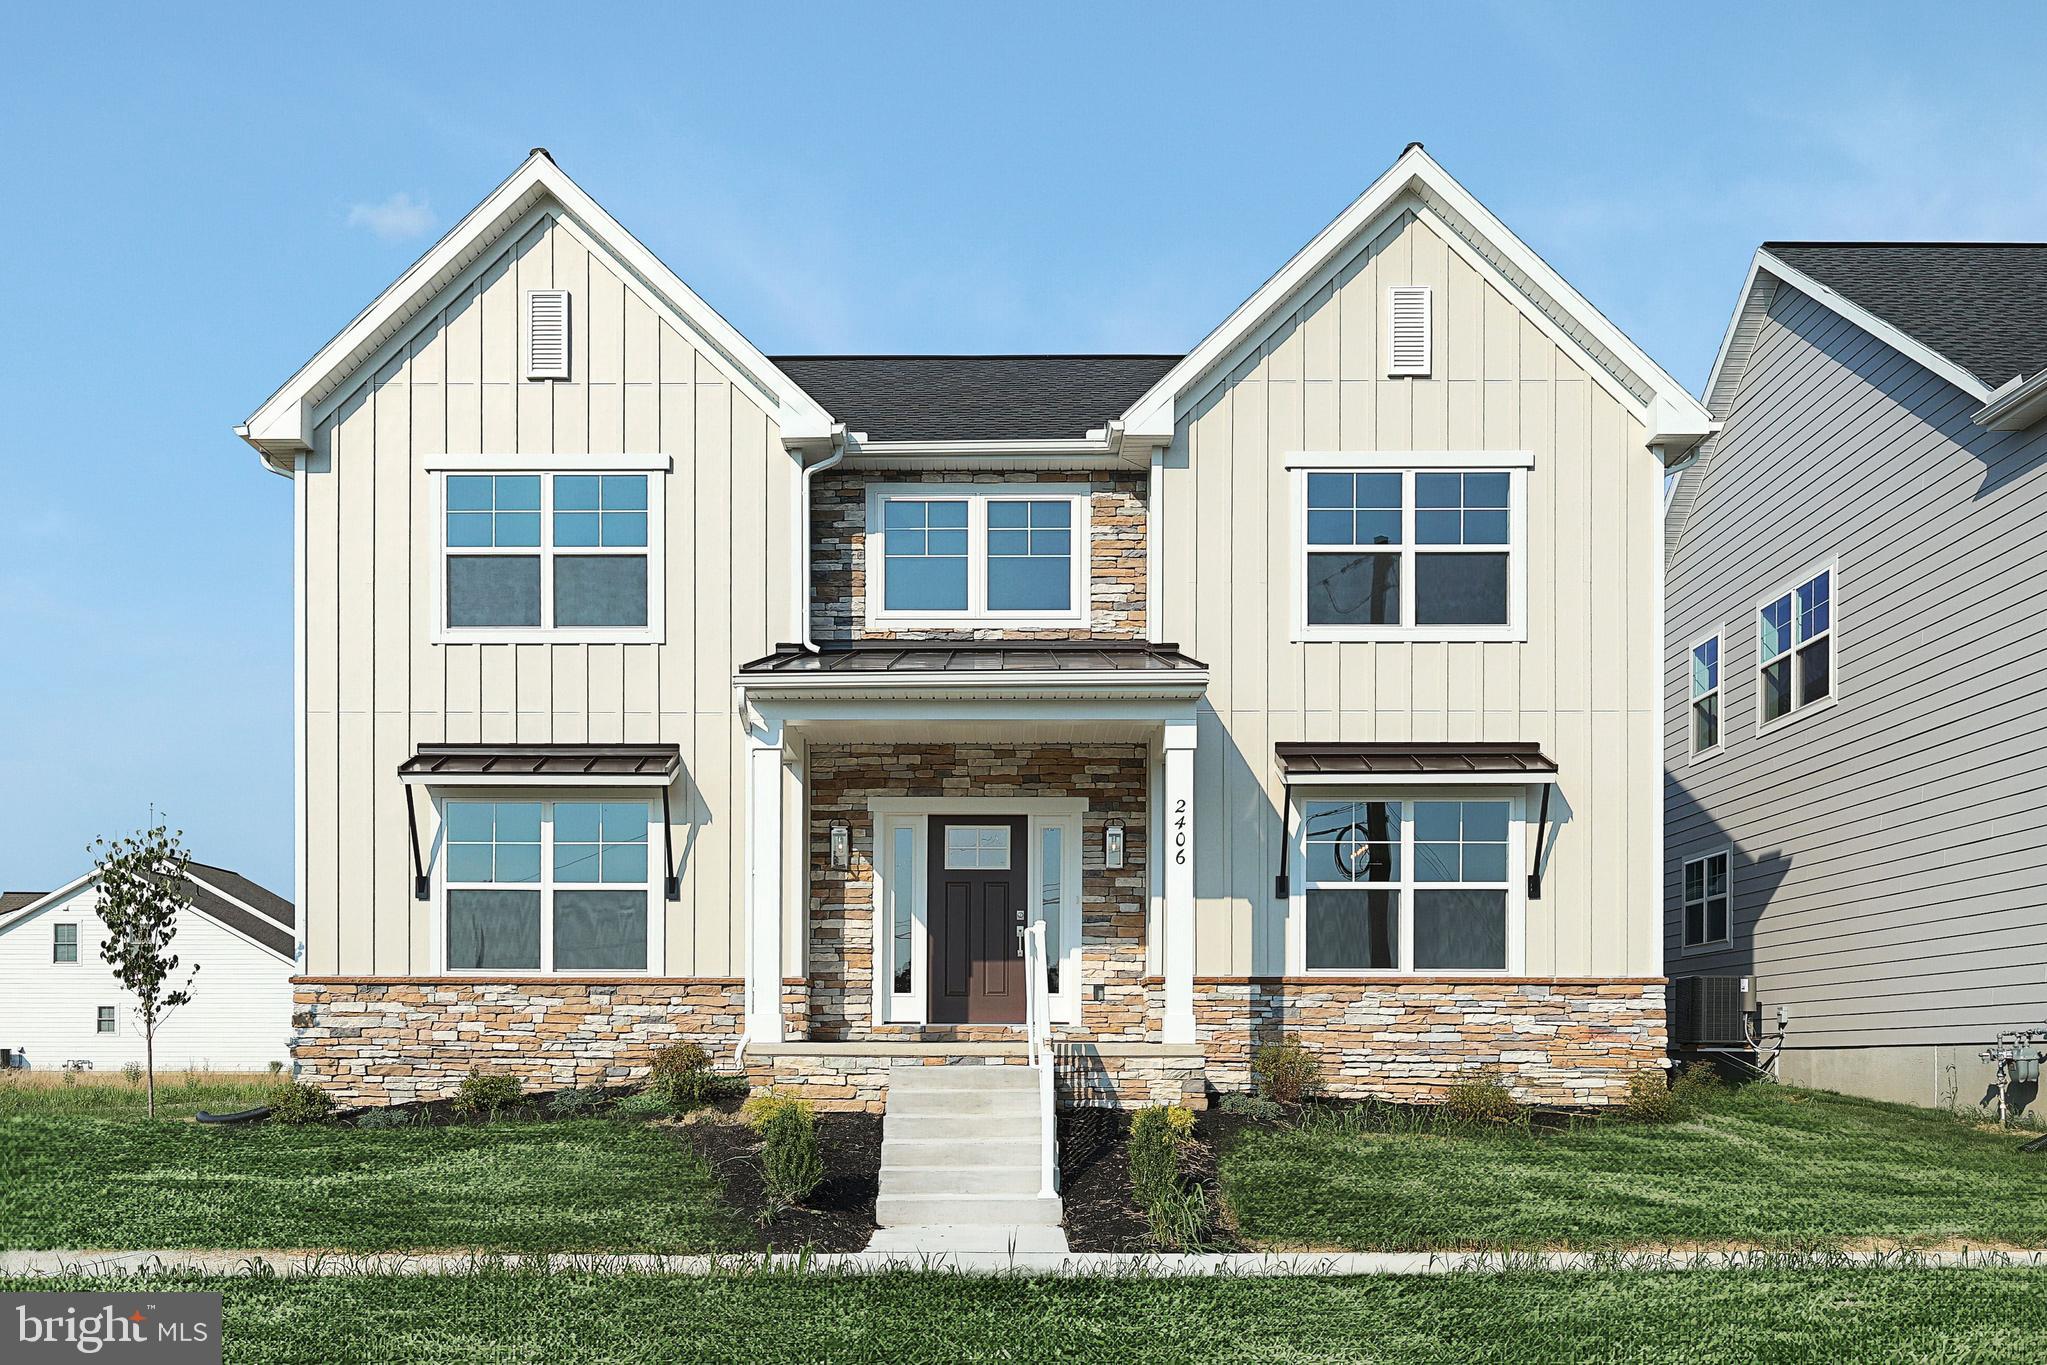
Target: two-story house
x: 1852, y: 671
x: 1302, y: 686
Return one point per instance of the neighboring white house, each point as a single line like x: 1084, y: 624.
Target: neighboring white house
x: 60, y: 1002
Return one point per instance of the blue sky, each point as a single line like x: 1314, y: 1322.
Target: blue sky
x: 197, y: 204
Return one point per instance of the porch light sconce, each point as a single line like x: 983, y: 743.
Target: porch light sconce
x: 1112, y: 844
x: 842, y: 847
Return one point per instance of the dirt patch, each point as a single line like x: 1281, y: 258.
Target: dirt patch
x: 1094, y: 1179
x: 838, y: 1216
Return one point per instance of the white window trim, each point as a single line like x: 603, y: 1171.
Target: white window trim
x: 651, y: 633
x: 1831, y: 634
x: 657, y: 904
x: 115, y: 1031
x: 77, y: 944
x: 1512, y: 463
x: 1717, y: 691
x: 1517, y: 879
x: 977, y: 498
x: 1066, y: 814
x: 1723, y: 851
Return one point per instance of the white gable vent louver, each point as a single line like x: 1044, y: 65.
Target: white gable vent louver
x: 1409, y: 332
x: 547, y: 334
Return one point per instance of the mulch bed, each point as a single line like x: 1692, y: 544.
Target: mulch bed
x: 1094, y: 1179
x: 838, y: 1216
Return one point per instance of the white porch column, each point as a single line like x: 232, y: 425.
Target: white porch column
x: 764, y: 883
x: 1178, y: 827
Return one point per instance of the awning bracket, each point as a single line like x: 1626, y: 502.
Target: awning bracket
x: 1281, y: 887
x: 420, y: 887
x: 1541, y: 837
x: 673, y: 879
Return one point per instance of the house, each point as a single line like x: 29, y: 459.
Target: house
x: 60, y: 1004
x: 1302, y: 686
x: 1855, y: 851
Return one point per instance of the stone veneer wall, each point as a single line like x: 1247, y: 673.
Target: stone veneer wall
x: 370, y: 1042
x: 1557, y: 1042
x: 838, y: 524
x: 1113, y: 778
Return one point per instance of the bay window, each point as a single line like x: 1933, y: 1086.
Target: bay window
x: 550, y: 555
x: 1408, y: 885
x: 1795, y: 649
x: 1427, y: 553
x: 549, y: 886
x: 1007, y: 554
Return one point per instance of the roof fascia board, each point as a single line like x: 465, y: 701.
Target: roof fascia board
x: 67, y: 891
x: 1875, y: 326
x: 48, y: 899
x: 1670, y: 414
x: 282, y: 424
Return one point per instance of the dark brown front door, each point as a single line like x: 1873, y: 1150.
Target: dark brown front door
x: 977, y: 906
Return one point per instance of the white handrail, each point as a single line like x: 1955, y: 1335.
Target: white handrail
x: 1038, y: 1050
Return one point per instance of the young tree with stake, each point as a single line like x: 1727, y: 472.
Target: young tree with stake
x: 141, y: 890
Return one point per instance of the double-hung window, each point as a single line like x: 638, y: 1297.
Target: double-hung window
x: 570, y: 556
x: 1705, y: 724
x: 1408, y: 885
x: 1795, y: 648
x: 1706, y: 899
x: 106, y: 1020
x: 1423, y: 553
x: 946, y: 555
x: 549, y: 886
x: 64, y: 942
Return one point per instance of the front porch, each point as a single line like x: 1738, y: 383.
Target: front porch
x: 913, y: 809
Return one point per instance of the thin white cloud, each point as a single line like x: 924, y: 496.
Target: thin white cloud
x: 397, y: 219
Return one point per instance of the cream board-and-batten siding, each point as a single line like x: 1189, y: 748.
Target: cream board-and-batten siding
x: 378, y: 683
x: 1583, y: 684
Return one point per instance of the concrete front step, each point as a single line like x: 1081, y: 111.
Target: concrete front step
x: 898, y: 1126
x: 1009, y: 1148
x: 957, y: 1180
x: 1013, y: 1103
x: 964, y: 1210
x: 963, y: 1076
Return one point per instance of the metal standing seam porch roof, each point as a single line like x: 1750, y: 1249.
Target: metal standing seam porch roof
x: 1435, y: 760
x: 970, y: 658
x: 541, y: 763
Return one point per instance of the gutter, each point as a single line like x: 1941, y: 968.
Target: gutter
x: 2015, y: 405
x: 803, y: 593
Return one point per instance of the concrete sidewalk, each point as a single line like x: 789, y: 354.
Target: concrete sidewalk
x: 1071, y: 1264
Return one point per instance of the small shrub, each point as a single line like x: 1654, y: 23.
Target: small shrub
x: 653, y: 1102
x: 388, y: 1117
x: 1651, y: 1099
x: 131, y: 1072
x: 1696, y: 1084
x: 792, y: 1161
x: 276, y: 1069
x: 1480, y: 1096
x: 1157, y: 1134
x: 483, y: 1094
x: 685, y: 1069
x: 1251, y: 1106
x: 293, y: 1102
x: 1286, y: 1073
x: 581, y: 1100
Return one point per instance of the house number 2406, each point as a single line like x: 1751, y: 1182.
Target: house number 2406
x: 1181, y: 834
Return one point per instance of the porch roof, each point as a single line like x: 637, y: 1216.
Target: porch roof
x: 543, y: 764
x: 1452, y: 762
x: 972, y: 657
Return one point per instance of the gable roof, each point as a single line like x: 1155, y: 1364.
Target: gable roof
x: 1982, y: 305
x: 283, y: 426
x: 1674, y: 419
x: 976, y: 397
x: 223, y: 896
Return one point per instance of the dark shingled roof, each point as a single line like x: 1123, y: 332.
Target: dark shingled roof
x: 268, y: 919
x: 975, y: 397
x: 1385, y: 760
x: 1982, y: 305
x: 970, y: 657
x: 11, y: 901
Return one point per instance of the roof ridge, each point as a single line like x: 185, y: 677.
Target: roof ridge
x: 1920, y: 244
x: 980, y: 355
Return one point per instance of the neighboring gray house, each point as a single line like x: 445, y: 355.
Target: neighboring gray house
x: 1856, y: 674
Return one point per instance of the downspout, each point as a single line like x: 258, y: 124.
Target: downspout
x: 810, y: 472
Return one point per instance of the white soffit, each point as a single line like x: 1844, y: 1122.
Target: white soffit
x: 283, y: 425
x: 1417, y: 183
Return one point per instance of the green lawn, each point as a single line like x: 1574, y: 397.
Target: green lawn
x: 1745, y: 1315
x: 69, y: 1182
x: 1764, y: 1164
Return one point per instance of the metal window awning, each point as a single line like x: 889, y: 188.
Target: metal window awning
x: 542, y: 765
x: 1354, y: 764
